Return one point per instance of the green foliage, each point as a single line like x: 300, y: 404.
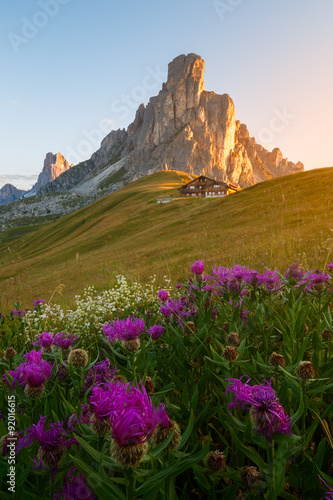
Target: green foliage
x: 189, y: 368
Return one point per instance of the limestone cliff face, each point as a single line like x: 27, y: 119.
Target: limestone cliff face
x: 187, y: 128
x: 184, y: 128
x: 54, y: 165
x: 9, y: 193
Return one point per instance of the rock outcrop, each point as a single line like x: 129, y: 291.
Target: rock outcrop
x: 187, y: 128
x: 9, y: 193
x: 54, y: 165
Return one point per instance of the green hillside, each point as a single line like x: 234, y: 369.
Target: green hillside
x: 271, y: 224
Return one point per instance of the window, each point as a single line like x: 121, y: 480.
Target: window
x: 216, y: 185
x: 191, y: 187
x: 222, y: 192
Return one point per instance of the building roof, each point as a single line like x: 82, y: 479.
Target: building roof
x: 215, y: 181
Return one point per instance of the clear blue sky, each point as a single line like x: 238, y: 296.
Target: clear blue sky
x: 69, y: 65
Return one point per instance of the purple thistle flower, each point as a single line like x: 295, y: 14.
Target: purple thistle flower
x: 125, y: 329
x: 197, y: 267
x: 103, y: 400
x: 75, y: 487
x: 17, y: 313
x: 315, y: 280
x: 330, y: 266
x: 179, y: 285
x: 134, y: 417
x: 294, y: 271
x: 44, y: 340
x: 266, y: 411
x: 34, y: 375
x: 98, y: 374
x: 38, y: 302
x: 166, y: 311
x: 53, y: 442
x: 131, y: 328
x: 63, y: 342
x: 156, y: 331
x: 163, y: 295
x: 34, y: 372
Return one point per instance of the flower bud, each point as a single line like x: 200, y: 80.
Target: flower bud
x: 131, y: 345
x: 250, y: 476
x: 79, y: 358
x: 215, y: 461
x: 277, y: 360
x: 33, y: 392
x: 51, y: 458
x: 10, y: 353
x: 305, y: 370
x: 230, y: 353
x: 326, y: 335
x: 233, y: 339
x: 149, y: 385
x: 162, y: 432
x: 128, y: 456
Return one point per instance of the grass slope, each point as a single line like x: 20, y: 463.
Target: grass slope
x: 271, y: 224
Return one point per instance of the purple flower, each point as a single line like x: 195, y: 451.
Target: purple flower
x: 75, y: 487
x: 134, y: 417
x: 233, y: 285
x: 125, y: 329
x: 294, y: 271
x: 98, y: 374
x: 45, y: 340
x: 38, y: 302
x: 243, y: 315
x: 163, y: 295
x: 197, y: 267
x: 156, y: 331
x: 179, y: 285
x: 34, y: 375
x: 34, y: 372
x: 53, y: 442
x: 330, y: 266
x: 17, y: 313
x: 63, y: 342
x: 315, y: 280
x: 266, y: 411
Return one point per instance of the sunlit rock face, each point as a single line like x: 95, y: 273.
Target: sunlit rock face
x: 187, y: 128
x: 54, y: 165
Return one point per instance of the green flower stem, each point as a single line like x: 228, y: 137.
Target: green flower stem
x: 130, y: 488
x: 270, y: 461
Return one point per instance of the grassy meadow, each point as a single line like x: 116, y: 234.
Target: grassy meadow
x: 269, y: 225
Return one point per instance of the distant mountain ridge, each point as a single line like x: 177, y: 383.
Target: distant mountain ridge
x: 9, y: 193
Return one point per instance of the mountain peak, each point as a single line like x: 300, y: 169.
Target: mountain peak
x: 186, y: 67
x: 54, y: 165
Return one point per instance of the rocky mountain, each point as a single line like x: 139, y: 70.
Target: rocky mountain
x: 183, y: 128
x: 187, y: 128
x: 54, y: 165
x: 9, y: 193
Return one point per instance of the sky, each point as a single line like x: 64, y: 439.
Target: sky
x: 72, y: 70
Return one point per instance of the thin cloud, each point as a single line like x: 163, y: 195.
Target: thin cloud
x: 19, y: 181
